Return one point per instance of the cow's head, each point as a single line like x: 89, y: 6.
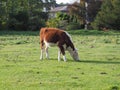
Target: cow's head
x: 74, y: 54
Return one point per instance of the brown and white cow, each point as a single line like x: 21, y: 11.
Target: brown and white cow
x: 51, y: 37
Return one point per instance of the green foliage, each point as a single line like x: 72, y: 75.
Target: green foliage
x: 18, y: 21
x: 85, y: 14
x: 62, y: 16
x: 3, y: 25
x: 60, y: 21
x: 73, y: 26
x: 63, y: 21
x: 109, y: 15
x: 53, y: 23
x: 37, y: 20
x: 92, y: 9
x: 20, y: 14
x: 21, y: 69
x: 78, y: 11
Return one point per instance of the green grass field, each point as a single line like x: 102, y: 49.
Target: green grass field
x: 21, y: 69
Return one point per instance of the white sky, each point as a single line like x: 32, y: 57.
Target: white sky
x: 65, y: 1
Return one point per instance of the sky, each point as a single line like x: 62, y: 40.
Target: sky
x: 65, y: 1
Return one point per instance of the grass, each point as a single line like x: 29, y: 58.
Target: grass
x: 21, y: 69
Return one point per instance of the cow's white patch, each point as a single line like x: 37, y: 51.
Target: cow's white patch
x: 68, y: 35
x: 48, y: 44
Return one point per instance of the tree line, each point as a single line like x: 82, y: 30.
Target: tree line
x: 29, y: 15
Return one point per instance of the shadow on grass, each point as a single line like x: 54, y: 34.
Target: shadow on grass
x: 100, y: 62
x: 87, y: 61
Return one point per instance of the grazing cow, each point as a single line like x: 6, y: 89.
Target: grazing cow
x: 52, y: 36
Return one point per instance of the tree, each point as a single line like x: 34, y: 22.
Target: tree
x: 14, y: 14
x: 109, y: 16
x: 85, y: 11
x: 78, y: 11
x: 93, y: 7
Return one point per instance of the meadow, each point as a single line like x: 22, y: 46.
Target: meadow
x: 98, y: 68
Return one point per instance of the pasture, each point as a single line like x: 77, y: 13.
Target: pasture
x: 21, y: 69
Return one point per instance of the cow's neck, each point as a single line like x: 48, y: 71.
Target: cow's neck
x: 70, y: 47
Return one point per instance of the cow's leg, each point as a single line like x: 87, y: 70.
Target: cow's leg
x: 46, y: 51
x: 42, y: 49
x: 59, y: 54
x: 63, y: 52
x: 64, y: 58
x: 41, y: 55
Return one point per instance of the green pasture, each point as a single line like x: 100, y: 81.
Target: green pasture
x: 98, y: 69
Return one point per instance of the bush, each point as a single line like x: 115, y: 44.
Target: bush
x: 3, y: 23
x: 22, y: 21
x: 18, y: 21
x: 12, y: 23
x: 0, y: 24
x: 36, y: 23
x: 53, y: 23
x: 73, y: 26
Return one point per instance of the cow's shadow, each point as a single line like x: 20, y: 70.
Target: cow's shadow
x: 99, y: 62
x: 89, y: 61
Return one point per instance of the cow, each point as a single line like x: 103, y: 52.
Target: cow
x: 57, y: 37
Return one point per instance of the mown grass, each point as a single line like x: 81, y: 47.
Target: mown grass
x: 21, y: 69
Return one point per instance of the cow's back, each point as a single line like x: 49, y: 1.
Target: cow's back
x: 52, y: 35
